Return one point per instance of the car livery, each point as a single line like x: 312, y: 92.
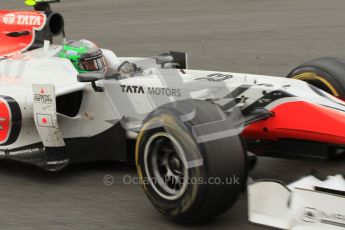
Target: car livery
x: 187, y: 124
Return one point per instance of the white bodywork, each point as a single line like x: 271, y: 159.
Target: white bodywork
x: 100, y: 111
x: 307, y: 204
x: 39, y: 68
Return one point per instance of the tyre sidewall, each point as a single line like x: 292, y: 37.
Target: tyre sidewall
x: 195, y: 192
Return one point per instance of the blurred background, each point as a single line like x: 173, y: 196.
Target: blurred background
x: 267, y: 37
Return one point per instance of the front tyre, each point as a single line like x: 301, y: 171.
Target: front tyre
x: 327, y: 74
x: 188, y: 180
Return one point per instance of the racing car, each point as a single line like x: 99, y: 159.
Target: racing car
x: 192, y: 134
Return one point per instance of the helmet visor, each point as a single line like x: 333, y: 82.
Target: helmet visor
x: 92, y: 63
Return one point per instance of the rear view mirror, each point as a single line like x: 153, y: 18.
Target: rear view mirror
x: 176, y: 60
x: 92, y: 77
x: 181, y: 59
x: 163, y: 59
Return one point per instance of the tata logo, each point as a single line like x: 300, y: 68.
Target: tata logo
x: 29, y: 20
x: 9, y: 19
x: 132, y: 89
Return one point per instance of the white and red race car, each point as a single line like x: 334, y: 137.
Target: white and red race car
x: 192, y: 128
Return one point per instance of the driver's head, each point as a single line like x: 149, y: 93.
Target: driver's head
x: 84, y: 55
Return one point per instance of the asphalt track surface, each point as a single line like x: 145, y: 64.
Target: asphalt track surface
x: 255, y: 36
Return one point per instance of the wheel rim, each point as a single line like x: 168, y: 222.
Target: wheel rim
x: 317, y: 81
x: 166, y: 166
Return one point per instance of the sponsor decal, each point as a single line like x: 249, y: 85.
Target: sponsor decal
x: 24, y: 151
x: 22, y: 19
x: 42, y: 98
x: 9, y: 19
x: 158, y: 91
x: 44, y: 120
x: 44, y: 110
x: 164, y: 92
x: 19, y: 21
x: 19, y: 152
x: 313, y: 215
x: 132, y: 89
x: 215, y: 77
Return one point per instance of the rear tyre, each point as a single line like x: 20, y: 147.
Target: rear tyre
x: 187, y: 180
x: 327, y: 74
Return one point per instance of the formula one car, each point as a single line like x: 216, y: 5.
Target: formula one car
x: 195, y: 131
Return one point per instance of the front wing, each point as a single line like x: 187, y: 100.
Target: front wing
x: 307, y: 204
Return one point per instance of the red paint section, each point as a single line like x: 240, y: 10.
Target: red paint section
x: 44, y: 120
x: 5, y: 121
x: 18, y: 21
x: 300, y: 120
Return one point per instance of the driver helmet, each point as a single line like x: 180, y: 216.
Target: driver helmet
x: 84, y: 54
